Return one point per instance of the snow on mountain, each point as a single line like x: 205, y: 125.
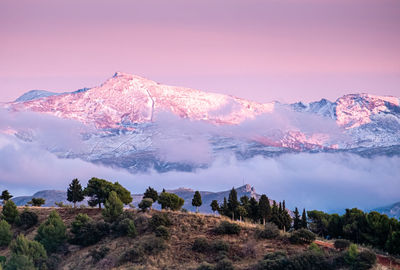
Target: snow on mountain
x: 132, y: 130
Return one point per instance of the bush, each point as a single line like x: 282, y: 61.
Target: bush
x: 205, y: 266
x: 220, y: 245
x: 314, y: 248
x: 125, y: 227
x: 19, y: 262
x: 98, y: 254
x: 163, y: 232
x: 224, y: 264
x: 52, y: 233
x: 154, y: 245
x: 10, y: 212
x: 145, y: 204
x: 270, y: 231
x: 342, y: 244
x: 159, y: 219
x: 27, y: 219
x: 200, y: 245
x: 33, y: 250
x: 134, y: 255
x: 351, y: 254
x: 87, y: 232
x: 302, y: 236
x: 5, y: 233
x: 37, y: 202
x: 226, y: 227
x: 302, y: 261
x: 365, y: 260
x: 3, y: 260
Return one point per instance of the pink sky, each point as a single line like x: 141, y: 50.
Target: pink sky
x: 285, y: 50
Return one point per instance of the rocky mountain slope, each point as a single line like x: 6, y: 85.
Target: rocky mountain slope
x: 138, y: 124
x: 392, y: 210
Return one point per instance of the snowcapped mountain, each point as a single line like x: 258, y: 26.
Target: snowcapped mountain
x: 136, y: 123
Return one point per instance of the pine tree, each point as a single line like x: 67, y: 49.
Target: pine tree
x: 264, y: 208
x: 5, y: 233
x: 296, y: 220
x: 75, y: 192
x: 223, y: 209
x: 10, y: 212
x: 214, y: 206
x: 242, y: 212
x: 151, y: 193
x: 233, y: 203
x: 113, y: 207
x: 5, y: 196
x: 196, y: 201
x: 52, y: 233
x: 304, y: 219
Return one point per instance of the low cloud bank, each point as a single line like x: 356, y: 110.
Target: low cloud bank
x: 315, y: 181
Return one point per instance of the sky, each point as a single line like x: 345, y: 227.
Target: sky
x: 284, y: 50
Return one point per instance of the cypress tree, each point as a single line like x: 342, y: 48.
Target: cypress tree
x: 275, y: 215
x: 233, y: 202
x: 264, y: 208
x: 75, y: 192
x: 223, y: 209
x: 296, y: 220
x: 304, y: 219
x: 196, y: 201
x: 253, y: 209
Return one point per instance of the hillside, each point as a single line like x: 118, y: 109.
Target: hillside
x: 392, y: 210
x: 244, y: 250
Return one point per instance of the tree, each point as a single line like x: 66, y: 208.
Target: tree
x: 145, y: 204
x: 99, y: 191
x: 5, y: 233
x: 52, y: 233
x: 253, y: 212
x: 393, y: 243
x: 113, y: 207
x: 10, y: 212
x: 214, y: 206
x: 196, y: 201
x: 223, y: 209
x: 304, y: 219
x: 170, y: 201
x: 5, y: 196
x: 19, y: 262
x: 33, y: 250
x: 264, y: 208
x: 75, y: 192
x: 296, y: 220
x: 37, y: 202
x: 233, y: 202
x: 319, y: 222
x: 286, y: 220
x: 151, y: 193
x: 242, y: 212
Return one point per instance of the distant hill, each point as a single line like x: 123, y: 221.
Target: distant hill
x: 390, y: 210
x: 53, y: 196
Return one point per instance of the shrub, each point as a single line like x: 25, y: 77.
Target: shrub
x: 365, y: 260
x: 302, y: 236
x: 224, y: 264
x: 154, y: 245
x: 5, y: 233
x: 220, y: 245
x: 126, y: 227
x: 163, y: 232
x: 342, y: 244
x: 306, y: 260
x: 226, y: 227
x: 200, y: 245
x: 134, y: 255
x: 351, y: 254
x: 113, y: 207
x: 142, y: 223
x: 270, y: 231
x: 3, y: 260
x: 52, y: 233
x: 159, y: 219
x: 10, y: 212
x: 98, y: 254
x: 87, y: 232
x: 33, y: 250
x: 19, y: 262
x: 205, y: 266
x: 145, y: 204
x: 27, y: 219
